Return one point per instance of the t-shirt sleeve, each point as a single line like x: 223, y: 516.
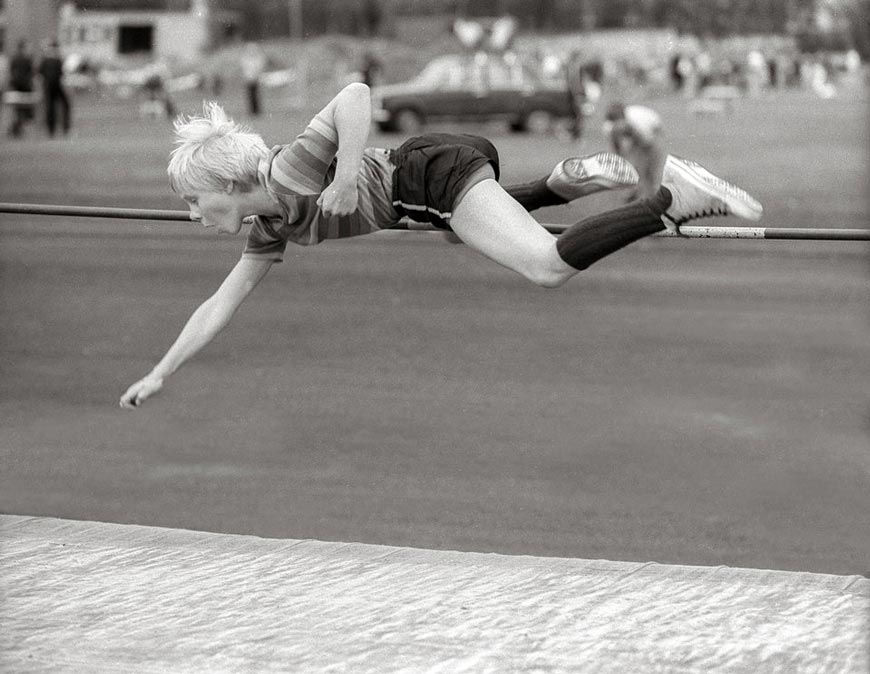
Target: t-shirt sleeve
x: 264, y: 243
x: 300, y: 168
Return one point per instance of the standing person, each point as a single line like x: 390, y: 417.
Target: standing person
x: 676, y: 72
x: 327, y: 184
x: 635, y: 133
x: 54, y: 93
x: 158, y: 100
x: 21, y: 88
x: 575, y: 76
x: 253, y: 62
x: 688, y: 76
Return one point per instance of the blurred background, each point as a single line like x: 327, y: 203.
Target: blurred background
x: 299, y: 49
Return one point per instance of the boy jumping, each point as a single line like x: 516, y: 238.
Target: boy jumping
x: 327, y: 184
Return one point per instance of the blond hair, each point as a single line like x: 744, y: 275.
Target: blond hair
x: 213, y: 151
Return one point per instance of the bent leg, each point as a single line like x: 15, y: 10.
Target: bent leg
x: 491, y: 222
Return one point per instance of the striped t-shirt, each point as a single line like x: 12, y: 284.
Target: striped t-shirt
x: 296, y: 174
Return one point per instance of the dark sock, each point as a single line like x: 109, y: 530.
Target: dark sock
x: 535, y: 195
x: 594, y: 238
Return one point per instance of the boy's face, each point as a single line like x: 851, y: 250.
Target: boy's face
x: 221, y: 210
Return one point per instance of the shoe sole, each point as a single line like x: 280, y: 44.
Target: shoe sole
x: 738, y: 201
x: 597, y: 172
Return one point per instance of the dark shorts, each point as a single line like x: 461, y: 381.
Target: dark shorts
x: 433, y: 170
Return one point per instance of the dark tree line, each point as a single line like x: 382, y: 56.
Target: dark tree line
x: 698, y: 17
x: 850, y: 25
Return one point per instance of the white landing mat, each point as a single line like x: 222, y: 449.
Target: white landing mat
x: 93, y: 598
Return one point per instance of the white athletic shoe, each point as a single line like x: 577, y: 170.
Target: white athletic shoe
x: 581, y: 176
x: 697, y: 193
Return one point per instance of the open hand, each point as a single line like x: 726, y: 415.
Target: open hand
x: 141, y: 391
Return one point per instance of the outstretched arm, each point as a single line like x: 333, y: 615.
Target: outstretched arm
x: 205, y: 323
x: 350, y: 114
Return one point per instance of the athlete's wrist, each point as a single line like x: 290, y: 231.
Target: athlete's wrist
x: 345, y: 180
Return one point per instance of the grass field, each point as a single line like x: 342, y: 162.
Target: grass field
x: 695, y: 402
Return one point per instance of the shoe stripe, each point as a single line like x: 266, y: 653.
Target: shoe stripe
x: 576, y: 177
x: 616, y: 168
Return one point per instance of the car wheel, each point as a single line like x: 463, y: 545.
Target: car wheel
x: 539, y: 122
x: 408, y: 121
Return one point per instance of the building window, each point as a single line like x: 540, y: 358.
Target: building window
x: 135, y: 39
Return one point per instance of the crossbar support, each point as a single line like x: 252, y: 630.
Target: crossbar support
x: 687, y: 232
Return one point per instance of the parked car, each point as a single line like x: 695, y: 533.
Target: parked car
x: 473, y: 88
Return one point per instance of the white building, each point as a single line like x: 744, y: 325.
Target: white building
x: 132, y: 30
x: 111, y: 35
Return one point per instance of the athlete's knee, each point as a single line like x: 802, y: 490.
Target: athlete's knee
x: 546, y: 277
x: 548, y: 269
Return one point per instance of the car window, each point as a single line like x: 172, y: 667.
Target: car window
x: 441, y: 74
x: 501, y: 75
x: 457, y: 77
x: 479, y: 73
x: 476, y: 73
x: 530, y: 75
x: 437, y: 74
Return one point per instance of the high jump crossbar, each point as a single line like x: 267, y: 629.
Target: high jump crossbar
x: 688, y: 231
